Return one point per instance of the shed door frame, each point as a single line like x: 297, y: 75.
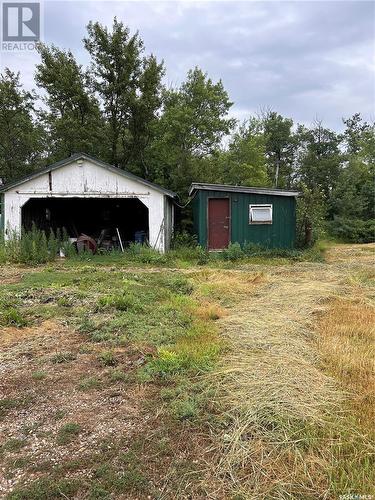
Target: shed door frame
x: 227, y: 198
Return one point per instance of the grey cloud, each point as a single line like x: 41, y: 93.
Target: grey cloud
x: 304, y: 59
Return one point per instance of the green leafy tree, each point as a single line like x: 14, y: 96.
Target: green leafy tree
x: 319, y: 159
x: 20, y: 134
x: 354, y: 193
x: 129, y: 87
x: 194, y: 122
x: 72, y: 119
x: 311, y: 213
x: 245, y: 161
x: 280, y: 145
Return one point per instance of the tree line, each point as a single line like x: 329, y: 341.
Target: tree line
x: 119, y: 110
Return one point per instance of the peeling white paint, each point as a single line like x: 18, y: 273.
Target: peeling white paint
x: 86, y: 179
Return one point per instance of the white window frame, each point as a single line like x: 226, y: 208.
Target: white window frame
x: 262, y: 206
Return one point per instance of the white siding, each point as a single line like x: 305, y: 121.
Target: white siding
x: 86, y: 179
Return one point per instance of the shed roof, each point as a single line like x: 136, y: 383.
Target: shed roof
x: 84, y: 156
x: 196, y: 186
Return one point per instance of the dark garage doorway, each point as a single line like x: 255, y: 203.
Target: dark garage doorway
x: 88, y: 216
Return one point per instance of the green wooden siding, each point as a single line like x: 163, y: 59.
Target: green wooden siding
x: 279, y: 234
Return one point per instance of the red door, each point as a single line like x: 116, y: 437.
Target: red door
x: 218, y: 223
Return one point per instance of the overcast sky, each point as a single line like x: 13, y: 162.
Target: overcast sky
x: 306, y: 60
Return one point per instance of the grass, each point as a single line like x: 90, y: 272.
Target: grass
x: 63, y: 357
x: 229, y: 377
x: 89, y: 383
x: 39, y: 375
x: 68, y: 433
x: 347, y: 343
x: 286, y: 428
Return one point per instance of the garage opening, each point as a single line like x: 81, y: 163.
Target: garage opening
x: 96, y: 217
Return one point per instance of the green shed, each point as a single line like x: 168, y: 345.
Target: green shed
x: 226, y: 214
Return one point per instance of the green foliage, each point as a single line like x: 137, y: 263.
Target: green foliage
x: 13, y: 444
x: 183, y: 239
x: 245, y: 162
x: 311, y: 212
x: 34, y: 246
x: 20, y: 134
x: 193, y: 124
x: 45, y: 488
x: 124, y: 302
x: 129, y: 86
x: 233, y: 252
x: 39, y: 375
x: 11, y: 316
x: 72, y: 118
x: 353, y: 230
x: 88, y: 383
x: 279, y: 148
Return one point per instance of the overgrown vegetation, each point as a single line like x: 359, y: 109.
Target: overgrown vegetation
x: 239, y: 378
x: 119, y: 110
x: 35, y: 247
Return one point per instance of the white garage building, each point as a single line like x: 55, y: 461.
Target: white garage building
x: 85, y: 195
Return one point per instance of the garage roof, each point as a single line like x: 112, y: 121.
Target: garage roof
x: 84, y: 156
x: 240, y: 189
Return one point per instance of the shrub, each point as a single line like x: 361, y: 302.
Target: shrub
x: 353, y: 230
x: 233, y: 252
x: 183, y: 239
x: 34, y: 247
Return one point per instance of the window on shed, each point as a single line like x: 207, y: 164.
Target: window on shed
x: 260, y: 214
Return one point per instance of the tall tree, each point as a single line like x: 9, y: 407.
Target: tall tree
x: 191, y: 129
x: 129, y: 87
x: 20, y: 134
x: 72, y: 118
x: 319, y: 158
x: 279, y: 145
x: 245, y: 161
x: 354, y: 193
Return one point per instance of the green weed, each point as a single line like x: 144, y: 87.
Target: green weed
x: 89, y: 383
x: 107, y: 358
x: 68, y: 433
x: 63, y: 357
x: 12, y: 317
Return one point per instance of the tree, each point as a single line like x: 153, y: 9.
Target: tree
x: 279, y: 146
x: 72, y: 119
x: 129, y: 87
x: 245, y: 161
x: 20, y: 133
x: 355, y: 129
x: 354, y: 193
x: 319, y: 159
x: 194, y: 122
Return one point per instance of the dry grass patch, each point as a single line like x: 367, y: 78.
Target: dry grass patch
x: 284, y: 431
x: 347, y: 341
x: 227, y: 287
